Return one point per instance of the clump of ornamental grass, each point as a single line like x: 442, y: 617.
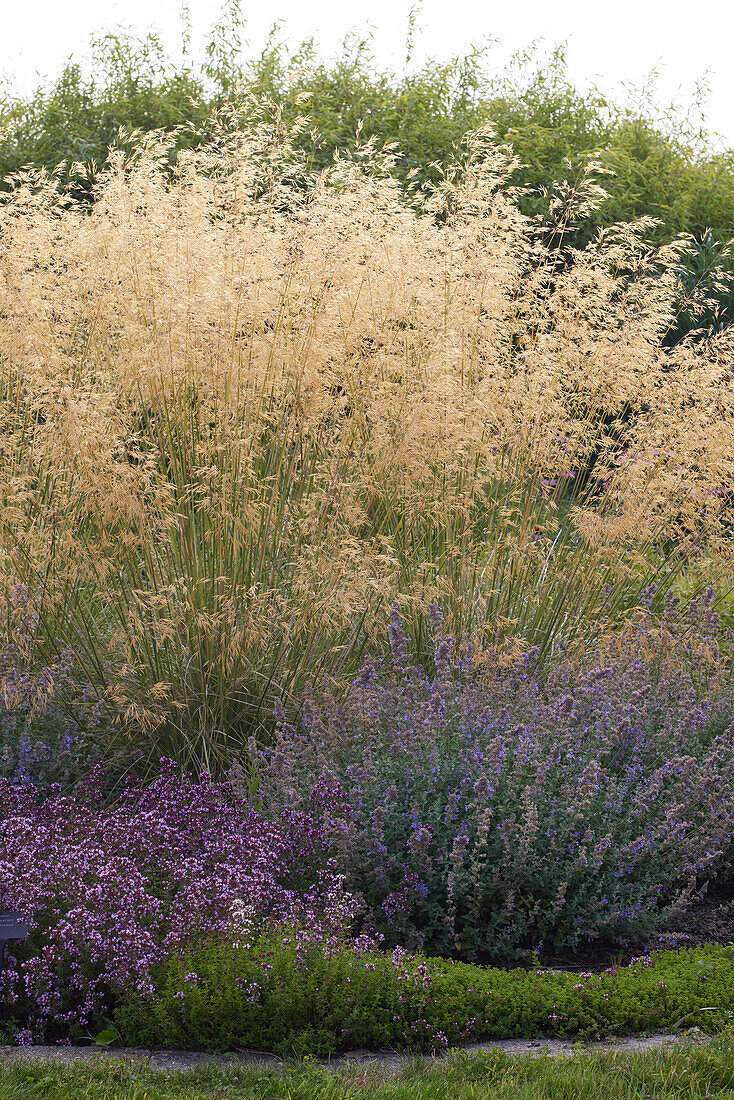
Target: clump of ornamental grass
x: 486, y: 812
x: 246, y: 409
x: 111, y: 890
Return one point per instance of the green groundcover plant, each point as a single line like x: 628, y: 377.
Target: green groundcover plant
x: 280, y: 990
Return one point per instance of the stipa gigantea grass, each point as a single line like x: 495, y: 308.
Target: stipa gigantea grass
x: 245, y: 411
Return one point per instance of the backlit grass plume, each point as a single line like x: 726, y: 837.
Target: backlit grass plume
x: 245, y: 411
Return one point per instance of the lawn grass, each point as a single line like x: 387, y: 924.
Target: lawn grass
x: 691, y: 1071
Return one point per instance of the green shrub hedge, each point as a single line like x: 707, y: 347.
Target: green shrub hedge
x: 663, y: 165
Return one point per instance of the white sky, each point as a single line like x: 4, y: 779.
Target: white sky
x: 607, y: 44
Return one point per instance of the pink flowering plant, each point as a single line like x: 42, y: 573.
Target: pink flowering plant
x: 485, y: 812
x: 109, y: 891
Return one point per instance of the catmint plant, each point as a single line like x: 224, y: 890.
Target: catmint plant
x: 485, y: 811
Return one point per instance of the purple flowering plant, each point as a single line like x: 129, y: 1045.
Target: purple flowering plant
x: 112, y: 890
x: 51, y: 719
x: 485, y: 811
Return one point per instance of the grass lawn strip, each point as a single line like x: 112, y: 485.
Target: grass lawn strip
x: 702, y: 1071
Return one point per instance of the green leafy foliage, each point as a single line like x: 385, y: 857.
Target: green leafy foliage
x: 662, y: 164
x: 284, y: 994
x: 652, y: 993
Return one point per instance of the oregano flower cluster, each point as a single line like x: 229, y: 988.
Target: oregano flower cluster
x: 110, y: 891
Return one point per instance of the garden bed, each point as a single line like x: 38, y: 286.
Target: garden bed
x: 709, y: 919
x: 361, y: 681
